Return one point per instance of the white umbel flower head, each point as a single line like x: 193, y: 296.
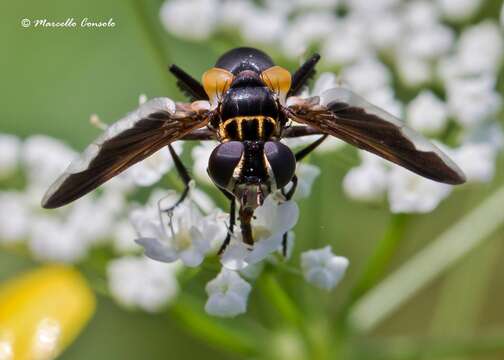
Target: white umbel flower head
x: 411, y: 193
x: 427, y: 113
x: 413, y: 71
x: 481, y: 48
x: 179, y: 16
x: 15, y: 218
x: 477, y: 161
x: 263, y: 26
x: 53, y: 240
x: 10, y: 146
x: 458, y: 10
x: 227, y: 294
x: 348, y: 43
x: 322, y: 268
x: 366, y: 75
x: 142, y: 283
x: 189, y: 237
x: 367, y: 182
x: 471, y: 101
x: 45, y: 158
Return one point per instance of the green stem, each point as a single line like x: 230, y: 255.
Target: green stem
x: 210, y: 330
x: 425, y: 266
x: 379, y: 261
x: 278, y: 297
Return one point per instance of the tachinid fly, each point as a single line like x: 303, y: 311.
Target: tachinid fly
x: 248, y: 104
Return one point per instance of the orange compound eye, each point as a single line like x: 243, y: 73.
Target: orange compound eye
x: 277, y: 79
x: 216, y: 82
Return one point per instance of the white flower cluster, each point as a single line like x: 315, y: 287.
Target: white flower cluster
x: 454, y: 75
x: 193, y: 231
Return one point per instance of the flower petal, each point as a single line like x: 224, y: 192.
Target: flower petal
x: 156, y: 250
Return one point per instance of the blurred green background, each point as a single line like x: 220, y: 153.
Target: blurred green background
x: 53, y: 79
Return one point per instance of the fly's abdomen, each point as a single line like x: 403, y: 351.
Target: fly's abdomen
x: 252, y: 127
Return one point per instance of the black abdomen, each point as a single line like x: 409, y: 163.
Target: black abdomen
x: 241, y: 128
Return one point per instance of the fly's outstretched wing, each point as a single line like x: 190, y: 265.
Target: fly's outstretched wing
x: 126, y: 142
x: 345, y: 115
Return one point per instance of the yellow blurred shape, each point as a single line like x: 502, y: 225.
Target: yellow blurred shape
x: 42, y: 311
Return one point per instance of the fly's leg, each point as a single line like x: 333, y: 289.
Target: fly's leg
x: 303, y: 74
x: 184, y: 176
x: 300, y: 155
x: 232, y: 221
x: 189, y: 85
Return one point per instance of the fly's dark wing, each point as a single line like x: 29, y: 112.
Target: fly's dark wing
x: 347, y: 116
x: 126, y: 142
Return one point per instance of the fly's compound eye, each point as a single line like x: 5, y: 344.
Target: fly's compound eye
x: 278, y: 80
x: 223, y: 162
x: 216, y: 82
x: 282, y: 162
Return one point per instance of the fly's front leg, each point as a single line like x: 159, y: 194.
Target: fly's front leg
x: 232, y: 221
x: 300, y: 155
x: 184, y: 176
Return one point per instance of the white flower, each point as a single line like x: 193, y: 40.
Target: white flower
x: 189, y: 238
x: 263, y: 26
x: 428, y: 42
x: 45, y: 158
x: 377, y: 6
x: 490, y: 133
x: 316, y: 3
x: 473, y: 100
x: 411, y: 193
x: 123, y: 236
x: 385, y: 99
x: 271, y: 221
x: 15, y: 218
x: 53, y: 240
x: 347, y: 43
x: 305, y: 30
x: 427, y: 114
x: 385, y: 30
x: 458, y: 10
x: 152, y: 169
x: 190, y: 19
x: 367, y: 182
x: 227, y: 294
x: 9, y: 154
x: 366, y: 75
x: 419, y: 14
x: 477, y: 161
x: 101, y: 212
x: 481, y: 47
x: 231, y: 12
x: 200, y: 155
x: 322, y: 268
x: 306, y: 174
x: 413, y: 71
x: 143, y: 283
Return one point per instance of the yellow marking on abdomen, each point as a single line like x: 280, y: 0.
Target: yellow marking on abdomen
x: 240, y: 120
